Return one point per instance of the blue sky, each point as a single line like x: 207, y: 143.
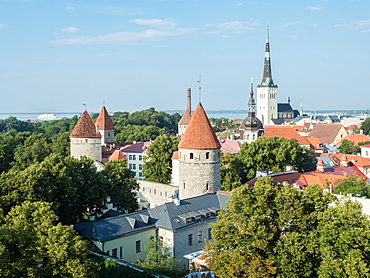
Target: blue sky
x: 132, y: 55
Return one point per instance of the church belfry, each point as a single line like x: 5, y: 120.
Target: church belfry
x: 267, y: 91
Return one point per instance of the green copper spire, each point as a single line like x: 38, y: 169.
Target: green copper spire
x: 267, y: 75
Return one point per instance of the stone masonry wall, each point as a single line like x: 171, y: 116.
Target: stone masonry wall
x: 156, y: 193
x: 89, y: 147
x: 198, y: 175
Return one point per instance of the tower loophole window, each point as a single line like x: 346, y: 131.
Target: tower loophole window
x: 207, y: 155
x: 191, y: 155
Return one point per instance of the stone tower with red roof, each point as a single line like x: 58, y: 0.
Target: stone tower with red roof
x: 85, y: 140
x: 185, y: 120
x: 199, y: 157
x: 105, y: 126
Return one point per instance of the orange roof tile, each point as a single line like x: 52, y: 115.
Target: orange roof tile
x: 117, y: 155
x: 326, y: 132
x: 85, y: 127
x: 185, y: 119
x: 199, y: 133
x: 314, y: 142
x: 287, y: 132
x: 175, y: 155
x: 356, y: 138
x: 104, y: 122
x: 359, y: 161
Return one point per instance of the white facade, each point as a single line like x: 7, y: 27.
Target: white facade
x: 267, y: 104
x: 135, y: 157
x: 365, y: 151
x: 89, y: 147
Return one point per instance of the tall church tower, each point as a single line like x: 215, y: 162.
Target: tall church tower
x: 199, y: 157
x: 267, y: 91
x: 85, y: 140
x: 105, y: 126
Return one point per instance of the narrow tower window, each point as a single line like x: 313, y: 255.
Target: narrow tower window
x: 191, y: 155
x: 207, y: 155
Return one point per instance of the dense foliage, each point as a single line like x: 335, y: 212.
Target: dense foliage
x: 157, y: 164
x: 353, y: 184
x: 276, y: 230
x: 221, y: 124
x: 143, y: 125
x: 348, y: 147
x: 32, y: 244
x: 365, y: 126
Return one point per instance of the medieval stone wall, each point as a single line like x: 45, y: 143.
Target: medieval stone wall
x: 156, y: 193
x: 89, y: 147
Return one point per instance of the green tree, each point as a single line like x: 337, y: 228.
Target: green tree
x: 61, y: 144
x: 365, y: 126
x: 348, y: 147
x: 157, y: 163
x: 353, y: 184
x: 276, y: 230
x: 33, y: 245
x: 229, y: 172
x: 122, y: 185
x: 159, y: 260
x: 274, y: 154
x: 72, y: 186
x: 34, y: 150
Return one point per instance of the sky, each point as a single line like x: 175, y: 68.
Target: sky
x: 63, y: 56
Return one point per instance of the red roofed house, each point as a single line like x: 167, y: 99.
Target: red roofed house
x: 287, y: 132
x: 230, y: 146
x: 135, y: 157
x: 199, y: 157
x: 105, y: 126
x: 356, y: 138
x: 321, y: 176
x: 85, y: 140
x: 117, y: 155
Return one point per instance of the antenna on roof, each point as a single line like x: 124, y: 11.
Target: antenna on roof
x: 200, y: 88
x: 84, y: 104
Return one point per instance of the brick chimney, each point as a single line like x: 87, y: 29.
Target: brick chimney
x: 344, y: 161
x: 320, y: 166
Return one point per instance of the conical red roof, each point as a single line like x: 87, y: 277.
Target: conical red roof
x: 185, y: 119
x: 199, y: 133
x: 104, y: 122
x: 117, y: 155
x: 85, y: 127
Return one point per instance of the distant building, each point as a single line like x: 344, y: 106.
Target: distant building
x: 329, y: 134
x: 135, y: 157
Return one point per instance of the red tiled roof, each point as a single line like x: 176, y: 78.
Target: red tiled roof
x: 287, y: 132
x: 230, y: 146
x: 356, y: 138
x: 104, y: 122
x: 359, y: 161
x: 314, y: 142
x: 117, y: 155
x: 85, y: 127
x: 199, y: 133
x: 185, y: 119
x: 175, y: 155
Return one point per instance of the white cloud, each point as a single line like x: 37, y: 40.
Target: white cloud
x: 314, y: 8
x: 71, y: 9
x: 355, y: 25
x: 289, y: 23
x: 155, y: 23
x: 237, y: 26
x: 71, y: 30
x: 124, y: 37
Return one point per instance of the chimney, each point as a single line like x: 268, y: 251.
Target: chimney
x: 289, y: 168
x: 320, y: 166
x: 344, y: 161
x: 351, y: 132
x: 189, y: 100
x: 361, y: 131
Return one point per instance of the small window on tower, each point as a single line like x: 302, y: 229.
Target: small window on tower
x: 191, y: 155
x: 207, y: 155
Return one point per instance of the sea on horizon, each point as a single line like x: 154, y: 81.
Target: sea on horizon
x: 229, y: 114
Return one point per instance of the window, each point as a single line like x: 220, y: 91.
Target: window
x: 133, y: 157
x: 190, y: 239
x: 114, y: 253
x: 133, y: 166
x: 129, y: 157
x: 210, y: 233
x: 140, y: 157
x: 191, y: 155
x: 107, y: 252
x: 121, y: 252
x: 184, y: 185
x: 140, y: 166
x: 130, y: 166
x: 207, y: 155
x: 140, y: 175
x: 155, y: 191
x: 207, y: 186
x: 138, y: 246
x: 200, y: 236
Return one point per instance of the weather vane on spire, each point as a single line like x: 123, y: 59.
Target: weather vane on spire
x: 84, y: 104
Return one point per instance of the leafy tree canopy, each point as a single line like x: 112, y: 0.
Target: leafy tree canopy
x: 230, y: 172
x: 157, y: 164
x: 274, y: 154
x: 348, y: 147
x: 365, y: 126
x: 278, y: 231
x: 353, y: 184
x: 33, y: 245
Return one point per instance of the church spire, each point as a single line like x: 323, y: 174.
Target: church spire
x: 267, y: 75
x: 251, y: 102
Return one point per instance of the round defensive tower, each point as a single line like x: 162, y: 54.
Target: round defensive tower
x: 199, y: 157
x: 85, y: 140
